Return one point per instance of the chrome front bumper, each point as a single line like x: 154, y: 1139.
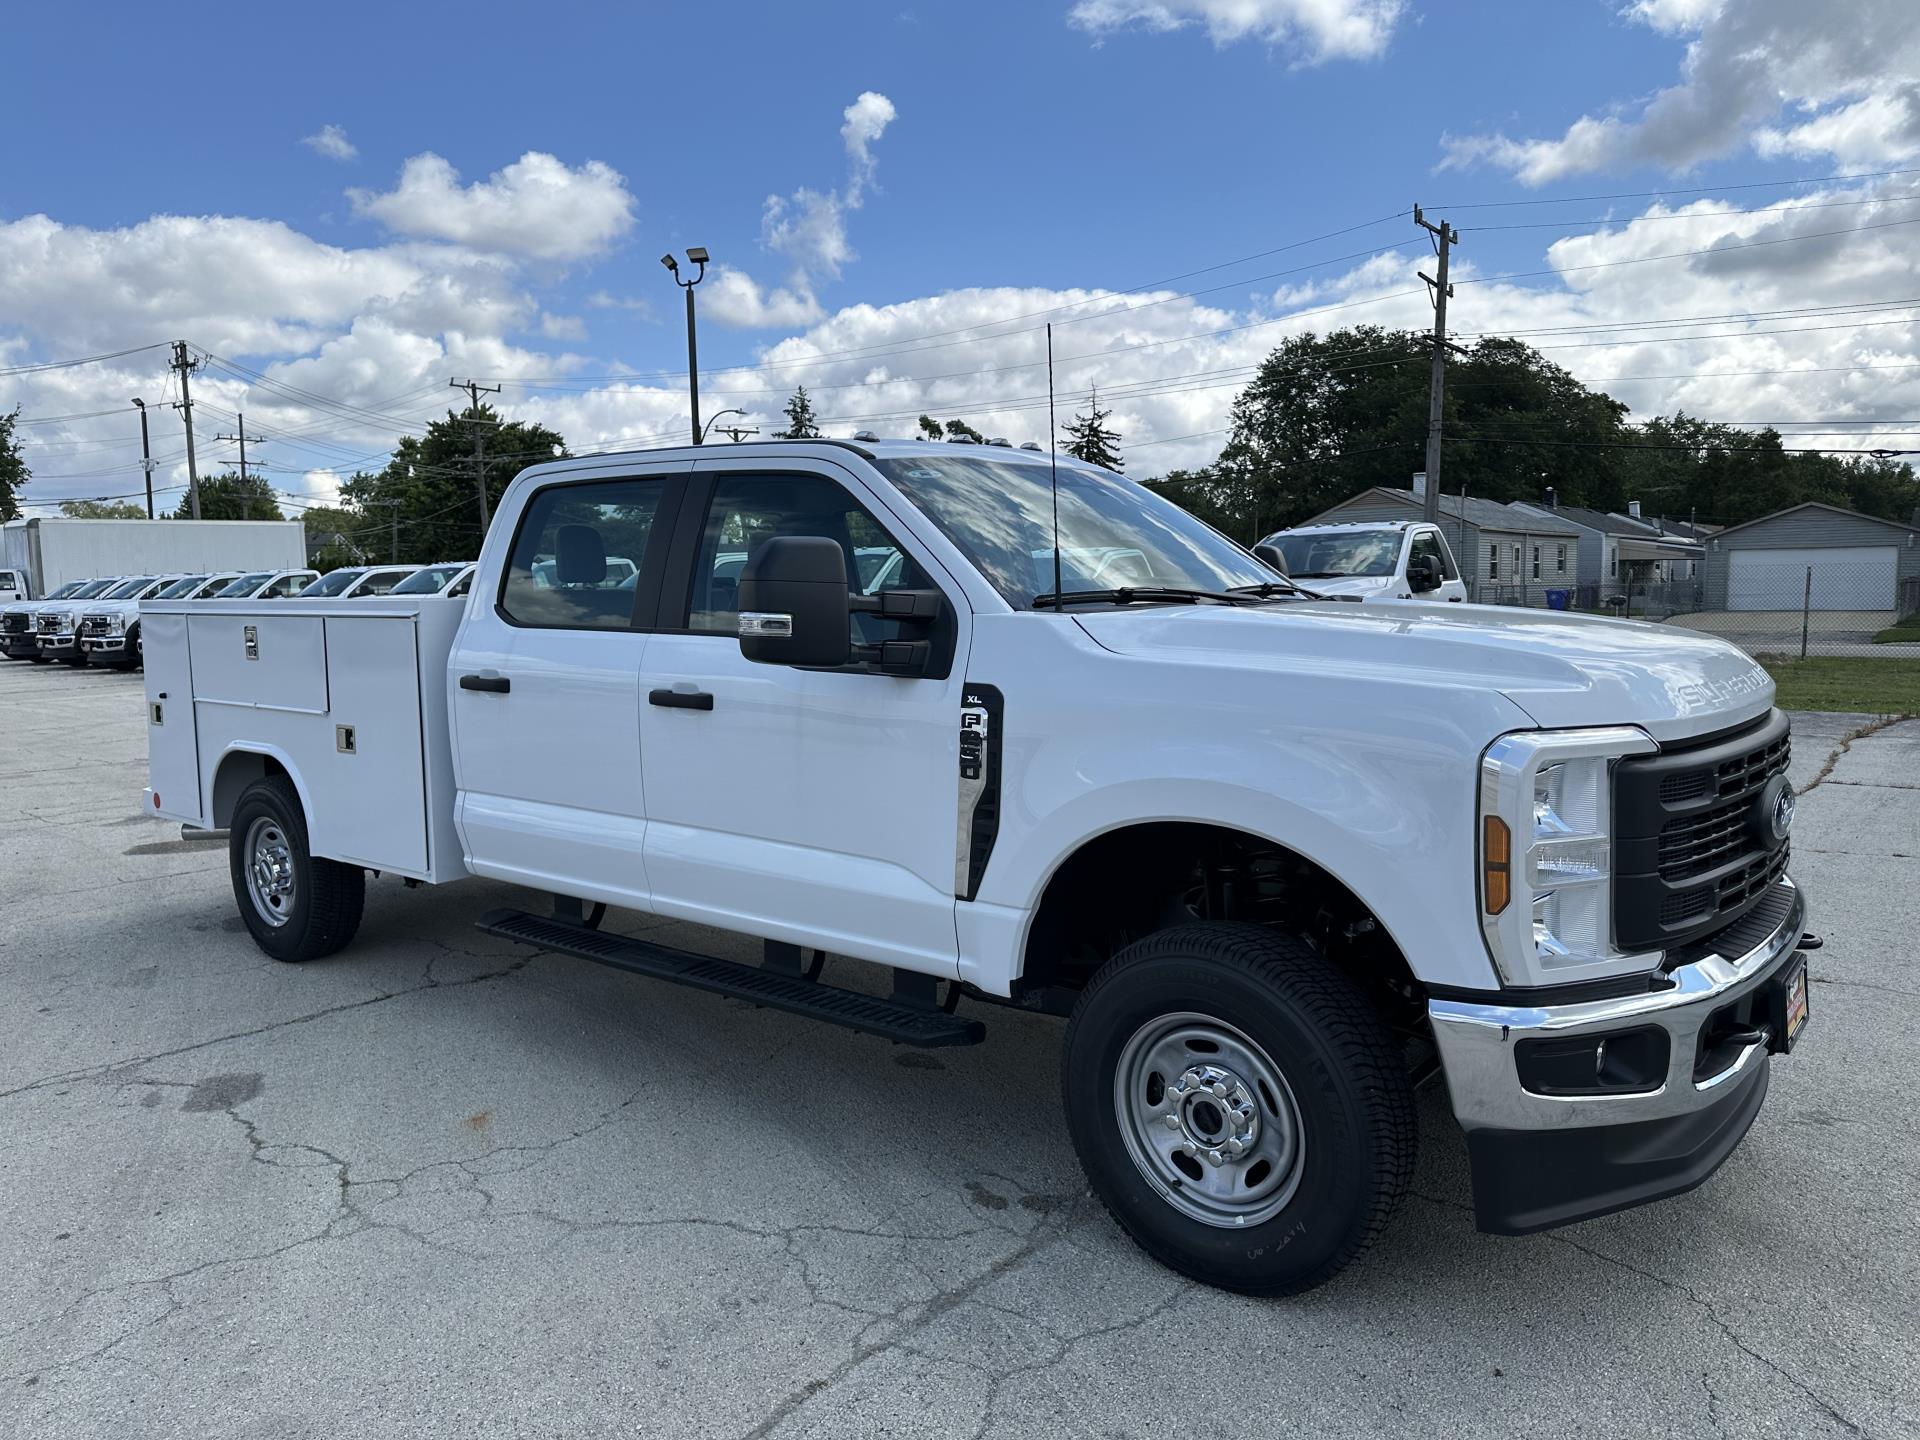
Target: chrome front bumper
x: 1477, y: 1040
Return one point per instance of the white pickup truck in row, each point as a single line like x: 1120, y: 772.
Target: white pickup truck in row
x: 1280, y: 860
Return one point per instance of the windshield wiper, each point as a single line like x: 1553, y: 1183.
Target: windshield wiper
x: 1132, y: 594
x: 1266, y: 589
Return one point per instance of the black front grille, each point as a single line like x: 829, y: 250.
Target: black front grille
x: 1693, y: 845
x: 1693, y: 848
x: 16, y: 624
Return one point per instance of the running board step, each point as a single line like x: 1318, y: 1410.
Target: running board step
x: 903, y: 1024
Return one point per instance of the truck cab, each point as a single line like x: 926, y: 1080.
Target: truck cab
x: 267, y: 585
x: 13, y: 586
x: 1017, y: 732
x: 1370, y: 562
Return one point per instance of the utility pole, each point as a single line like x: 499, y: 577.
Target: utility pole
x: 146, y: 452
x: 242, y: 438
x: 1445, y: 237
x: 186, y: 366
x: 474, y: 391
x: 393, y: 556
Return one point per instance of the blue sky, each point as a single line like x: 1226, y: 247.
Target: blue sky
x: 1006, y: 160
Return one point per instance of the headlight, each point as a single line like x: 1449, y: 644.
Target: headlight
x: 1546, y: 854
x: 116, y: 624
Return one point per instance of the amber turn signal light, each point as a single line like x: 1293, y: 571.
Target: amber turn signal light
x: 1496, y: 853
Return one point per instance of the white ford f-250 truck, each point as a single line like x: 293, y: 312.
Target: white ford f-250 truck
x: 1279, y: 860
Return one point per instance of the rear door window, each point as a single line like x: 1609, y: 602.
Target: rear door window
x: 577, y: 553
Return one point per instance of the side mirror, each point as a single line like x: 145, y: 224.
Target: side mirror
x: 1270, y: 556
x: 1423, y: 574
x: 794, y: 603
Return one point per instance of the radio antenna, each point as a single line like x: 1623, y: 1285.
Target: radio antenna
x: 1053, y: 458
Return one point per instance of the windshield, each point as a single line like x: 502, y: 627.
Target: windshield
x: 430, y: 581
x: 331, y: 584
x: 245, y: 585
x: 73, y: 588
x: 127, y: 589
x: 1113, y: 532
x: 1346, y: 552
x: 181, y: 587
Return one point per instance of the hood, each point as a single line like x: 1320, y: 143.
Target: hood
x: 1564, y: 670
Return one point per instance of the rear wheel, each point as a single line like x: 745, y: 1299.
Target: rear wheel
x: 295, y: 905
x: 1238, y: 1106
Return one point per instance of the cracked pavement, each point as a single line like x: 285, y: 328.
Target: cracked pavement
x: 440, y: 1186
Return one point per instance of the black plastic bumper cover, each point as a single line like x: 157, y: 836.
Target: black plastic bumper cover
x: 1528, y: 1180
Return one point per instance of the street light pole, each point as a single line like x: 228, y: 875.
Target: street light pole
x: 146, y: 452
x: 708, y: 429
x: 696, y: 255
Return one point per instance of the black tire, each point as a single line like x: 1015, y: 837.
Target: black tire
x: 327, y: 897
x: 1350, y: 1103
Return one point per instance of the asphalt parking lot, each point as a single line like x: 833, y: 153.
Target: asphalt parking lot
x: 437, y: 1186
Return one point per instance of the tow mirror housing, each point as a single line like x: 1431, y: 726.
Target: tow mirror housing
x: 794, y: 602
x: 1270, y: 556
x: 1423, y: 574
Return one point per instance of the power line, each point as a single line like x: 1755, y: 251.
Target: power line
x: 80, y: 360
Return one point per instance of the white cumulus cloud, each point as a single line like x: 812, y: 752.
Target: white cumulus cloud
x: 1317, y: 30
x: 332, y: 142
x: 808, y: 227
x: 1843, y: 68
x: 538, y: 206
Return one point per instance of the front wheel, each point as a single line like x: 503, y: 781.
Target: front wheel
x: 296, y: 905
x: 1238, y: 1106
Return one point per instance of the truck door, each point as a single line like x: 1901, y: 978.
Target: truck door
x: 545, y: 697
x: 816, y: 806
x: 1430, y: 542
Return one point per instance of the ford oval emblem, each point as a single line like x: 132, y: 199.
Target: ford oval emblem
x: 1782, y: 816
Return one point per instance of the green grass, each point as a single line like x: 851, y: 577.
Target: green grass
x: 1908, y: 630
x: 1856, y: 683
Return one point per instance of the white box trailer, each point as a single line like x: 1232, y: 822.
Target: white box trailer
x: 52, y: 551
x: 345, y: 697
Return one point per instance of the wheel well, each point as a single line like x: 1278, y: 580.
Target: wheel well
x: 238, y: 769
x: 1130, y: 882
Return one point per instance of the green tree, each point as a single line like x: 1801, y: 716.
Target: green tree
x: 13, y: 469
x: 228, y: 497
x: 1089, y: 439
x: 929, y: 427
x: 961, y: 427
x: 102, y: 510
x: 801, y: 423
x: 431, y: 478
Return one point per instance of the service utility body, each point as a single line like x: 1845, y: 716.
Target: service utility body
x: 1279, y: 860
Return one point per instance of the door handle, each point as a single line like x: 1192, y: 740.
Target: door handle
x: 681, y: 699
x: 492, y: 684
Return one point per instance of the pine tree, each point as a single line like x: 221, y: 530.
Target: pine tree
x: 801, y: 422
x: 1089, y: 439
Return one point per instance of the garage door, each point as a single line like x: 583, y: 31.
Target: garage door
x: 1856, y: 577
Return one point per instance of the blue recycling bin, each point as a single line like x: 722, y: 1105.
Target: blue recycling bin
x: 1556, y: 599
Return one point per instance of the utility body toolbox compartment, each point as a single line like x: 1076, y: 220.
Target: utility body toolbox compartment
x: 348, y: 697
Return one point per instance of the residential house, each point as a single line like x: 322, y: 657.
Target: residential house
x: 1626, y: 560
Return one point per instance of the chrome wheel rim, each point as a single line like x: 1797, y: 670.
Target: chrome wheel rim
x: 1209, y: 1119
x: 270, y: 882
